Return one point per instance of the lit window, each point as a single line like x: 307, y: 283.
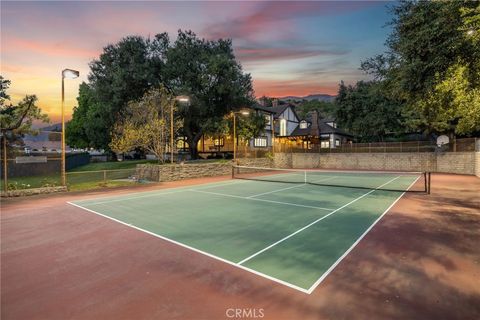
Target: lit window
x: 260, y: 142
x: 218, y: 142
x: 303, y: 124
x: 325, y: 144
x: 337, y: 142
x: 267, y: 118
x: 283, y: 127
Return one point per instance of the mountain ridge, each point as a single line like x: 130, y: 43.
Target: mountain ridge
x: 310, y: 97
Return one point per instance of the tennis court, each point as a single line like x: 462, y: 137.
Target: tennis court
x: 290, y: 226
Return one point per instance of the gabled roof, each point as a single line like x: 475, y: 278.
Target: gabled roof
x: 276, y: 111
x: 324, y: 128
x: 262, y: 108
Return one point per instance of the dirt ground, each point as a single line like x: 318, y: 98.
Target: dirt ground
x: 421, y: 261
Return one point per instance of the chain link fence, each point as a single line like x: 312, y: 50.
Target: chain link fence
x: 456, y: 145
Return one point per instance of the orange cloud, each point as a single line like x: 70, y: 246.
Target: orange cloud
x: 295, y: 88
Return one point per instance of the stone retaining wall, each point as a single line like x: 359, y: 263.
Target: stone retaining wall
x: 168, y: 172
x: 175, y: 172
x: 454, y: 162
x: 33, y: 191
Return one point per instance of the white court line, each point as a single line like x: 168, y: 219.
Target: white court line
x: 278, y: 190
x: 329, y: 270
x: 196, y: 250
x: 309, y: 291
x: 288, y: 188
x: 263, y: 200
x: 160, y: 192
x: 312, y: 223
x: 144, y: 196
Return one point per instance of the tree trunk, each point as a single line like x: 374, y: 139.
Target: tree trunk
x: 193, y: 148
x: 192, y: 140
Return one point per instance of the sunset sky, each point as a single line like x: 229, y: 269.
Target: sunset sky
x: 290, y: 48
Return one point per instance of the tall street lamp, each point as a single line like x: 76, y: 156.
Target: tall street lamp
x: 241, y: 112
x: 181, y: 99
x: 66, y: 74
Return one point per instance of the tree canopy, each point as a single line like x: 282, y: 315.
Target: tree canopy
x: 325, y: 109
x: 366, y: 111
x: 206, y: 71
x: 147, y: 125
x: 17, y: 120
x: 432, y: 43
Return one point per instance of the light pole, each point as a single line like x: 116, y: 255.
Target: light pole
x: 181, y: 99
x: 69, y: 74
x: 242, y: 112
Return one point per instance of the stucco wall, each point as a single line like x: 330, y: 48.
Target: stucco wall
x: 477, y: 164
x: 458, y: 162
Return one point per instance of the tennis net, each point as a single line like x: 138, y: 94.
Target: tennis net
x: 382, y: 180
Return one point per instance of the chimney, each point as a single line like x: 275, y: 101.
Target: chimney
x: 275, y: 103
x: 315, y: 128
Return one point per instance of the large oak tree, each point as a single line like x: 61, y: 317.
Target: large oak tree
x: 205, y: 70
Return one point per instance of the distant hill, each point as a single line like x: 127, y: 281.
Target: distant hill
x: 310, y: 97
x: 54, y: 127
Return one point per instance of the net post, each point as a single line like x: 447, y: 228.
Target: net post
x: 305, y: 176
x: 429, y: 181
x: 425, y: 182
x: 233, y: 171
x: 104, y: 176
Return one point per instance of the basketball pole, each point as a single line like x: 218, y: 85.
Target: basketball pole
x: 5, y: 165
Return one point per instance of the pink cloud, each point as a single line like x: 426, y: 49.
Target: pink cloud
x: 249, y: 54
x: 58, y: 49
x: 271, y: 15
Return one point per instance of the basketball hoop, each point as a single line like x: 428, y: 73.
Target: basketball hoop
x: 442, y: 140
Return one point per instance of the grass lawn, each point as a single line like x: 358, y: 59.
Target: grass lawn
x: 90, y: 176
x: 127, y: 164
x: 78, y: 179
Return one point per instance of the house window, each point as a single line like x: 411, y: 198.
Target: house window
x: 260, y: 142
x: 303, y: 124
x: 283, y: 127
x: 218, y: 142
x: 325, y: 144
x: 332, y: 124
x: 337, y: 142
x: 268, y: 119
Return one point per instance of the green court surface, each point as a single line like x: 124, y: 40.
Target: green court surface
x: 294, y: 234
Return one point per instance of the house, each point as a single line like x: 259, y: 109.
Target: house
x: 285, y: 121
x: 283, y: 117
x: 316, y: 132
x: 286, y: 128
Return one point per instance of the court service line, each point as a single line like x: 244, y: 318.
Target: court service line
x: 290, y: 285
x: 263, y: 200
x: 277, y: 190
x: 329, y: 270
x: 160, y: 192
x: 314, y: 222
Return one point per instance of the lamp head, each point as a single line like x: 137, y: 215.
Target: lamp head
x: 70, y: 74
x: 183, y: 99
